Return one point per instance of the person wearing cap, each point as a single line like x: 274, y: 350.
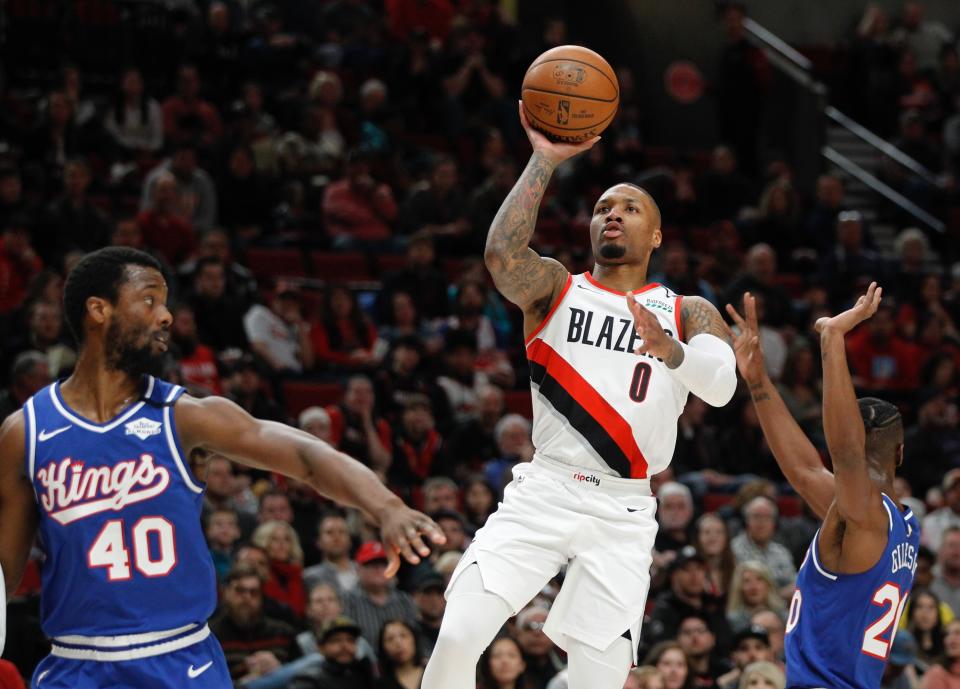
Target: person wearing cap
x: 279, y: 335
x: 428, y: 588
x: 699, y: 643
x: 901, y: 671
x: 686, y: 597
x: 751, y: 644
x: 376, y: 601
x: 935, y: 523
x: 340, y: 668
x: 849, y: 259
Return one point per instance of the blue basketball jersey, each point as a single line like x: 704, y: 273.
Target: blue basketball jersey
x: 119, y: 519
x: 840, y: 626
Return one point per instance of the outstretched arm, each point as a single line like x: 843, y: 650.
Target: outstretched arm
x: 857, y: 494
x: 521, y: 275
x: 18, y: 510
x: 796, y: 455
x: 215, y: 424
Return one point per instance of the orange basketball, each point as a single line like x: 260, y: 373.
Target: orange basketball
x: 570, y: 93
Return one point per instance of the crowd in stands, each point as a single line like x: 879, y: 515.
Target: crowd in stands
x: 317, y: 179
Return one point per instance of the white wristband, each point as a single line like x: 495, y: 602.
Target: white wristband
x: 708, y: 369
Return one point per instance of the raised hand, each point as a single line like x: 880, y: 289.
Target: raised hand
x: 400, y: 530
x: 844, y: 322
x: 555, y: 152
x: 746, y: 343
x: 656, y: 342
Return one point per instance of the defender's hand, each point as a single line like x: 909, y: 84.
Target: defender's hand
x: 656, y: 342
x: 746, y: 343
x: 555, y: 152
x: 844, y: 322
x: 401, y: 529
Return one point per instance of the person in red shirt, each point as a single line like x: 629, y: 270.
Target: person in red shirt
x: 881, y: 360
x: 198, y: 365
x: 358, y: 208
x: 18, y: 264
x: 164, y: 227
x: 345, y: 337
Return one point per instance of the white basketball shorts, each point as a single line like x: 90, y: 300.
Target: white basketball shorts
x: 602, y: 527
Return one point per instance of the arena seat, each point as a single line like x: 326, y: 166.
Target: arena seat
x: 714, y: 501
x: 268, y: 263
x: 298, y: 395
x: 518, y: 402
x: 340, y: 267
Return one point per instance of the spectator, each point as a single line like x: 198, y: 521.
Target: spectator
x: 762, y: 675
x: 758, y: 279
x: 428, y: 596
x: 776, y: 627
x: 686, y: 596
x: 922, y: 37
x: 164, y: 223
x: 246, y: 389
x: 752, y: 589
x: 345, y: 336
x: 340, y: 668
x: 357, y: 430
x: 514, y: 445
x: 502, y: 667
x: 439, y: 493
x: 246, y: 195
x: 279, y: 335
x: 943, y: 674
x: 135, y: 121
x: 19, y: 263
x: 401, y: 657
x: 28, y: 375
x: 437, y: 206
x: 316, y: 422
x: 485, y: 200
x: 880, y: 359
x: 698, y: 643
x: 756, y: 543
x: 282, y: 545
x: 751, y: 644
x: 675, y: 515
x: 217, y: 309
x: 55, y: 139
x: 336, y: 569
x: 936, y: 438
x: 420, y: 278
x: 644, y: 677
x: 405, y: 375
x: 935, y: 523
x: 323, y: 605
x: 198, y: 365
x: 800, y: 388
x: 926, y: 621
x: 215, y: 244
x: 479, y: 501
x: 186, y: 116
x: 73, y: 222
x: 416, y: 445
x: 196, y: 195
x: 374, y: 602
x: 358, y: 209
x: 222, y: 532
x: 253, y: 643
x: 722, y: 190
x: 821, y: 227
x: 474, y: 442
x: 45, y: 335
x: 461, y: 380
x: 678, y: 275
x: 946, y: 580
x: 849, y: 263
x: 712, y: 541
x: 540, y: 656
x: 672, y: 663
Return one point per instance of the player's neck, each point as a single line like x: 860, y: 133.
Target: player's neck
x: 622, y: 277
x: 96, y: 392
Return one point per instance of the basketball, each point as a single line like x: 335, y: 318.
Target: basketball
x: 570, y: 93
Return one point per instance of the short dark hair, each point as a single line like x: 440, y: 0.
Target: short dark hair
x: 99, y: 274
x: 208, y: 261
x: 239, y: 572
x: 884, y: 428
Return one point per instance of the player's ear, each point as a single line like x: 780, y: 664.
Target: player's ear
x: 656, y: 239
x: 98, y: 309
x: 900, y: 454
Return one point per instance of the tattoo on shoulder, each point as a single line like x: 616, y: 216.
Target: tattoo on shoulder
x: 701, y: 317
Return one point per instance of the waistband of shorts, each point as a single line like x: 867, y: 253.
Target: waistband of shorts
x: 128, y: 646
x: 588, y: 478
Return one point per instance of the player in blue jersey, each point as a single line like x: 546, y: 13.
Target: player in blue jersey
x: 99, y: 465
x: 858, y: 571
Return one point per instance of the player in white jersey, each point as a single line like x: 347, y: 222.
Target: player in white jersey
x: 612, y: 360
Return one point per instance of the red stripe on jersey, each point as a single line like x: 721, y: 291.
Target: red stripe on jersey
x: 593, y: 281
x: 552, y: 310
x: 592, y: 401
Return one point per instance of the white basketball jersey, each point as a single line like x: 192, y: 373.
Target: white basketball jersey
x: 596, y: 404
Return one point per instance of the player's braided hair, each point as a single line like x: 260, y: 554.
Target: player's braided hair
x: 877, y: 414
x: 884, y: 427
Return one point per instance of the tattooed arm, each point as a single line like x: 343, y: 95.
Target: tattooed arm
x: 796, y: 455
x: 522, y: 276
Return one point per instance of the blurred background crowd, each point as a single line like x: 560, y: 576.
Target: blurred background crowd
x: 317, y: 180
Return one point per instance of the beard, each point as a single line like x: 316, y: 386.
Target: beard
x: 125, y: 354
x: 613, y: 251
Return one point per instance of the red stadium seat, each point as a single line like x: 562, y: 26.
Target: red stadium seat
x: 267, y: 263
x: 340, y: 267
x: 518, y: 402
x: 298, y: 395
x: 714, y: 501
x: 789, y: 506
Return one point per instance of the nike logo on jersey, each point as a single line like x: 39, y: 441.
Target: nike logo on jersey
x: 631, y: 509
x: 193, y: 673
x: 44, y: 435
